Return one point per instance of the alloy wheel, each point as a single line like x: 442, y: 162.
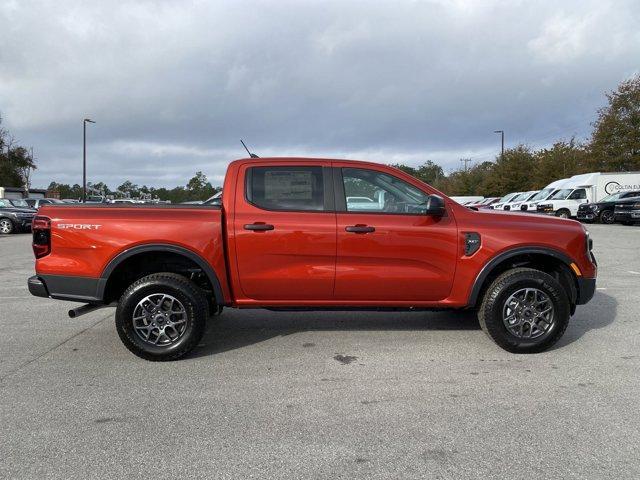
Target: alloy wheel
x: 160, y: 319
x: 528, y: 313
x: 6, y: 226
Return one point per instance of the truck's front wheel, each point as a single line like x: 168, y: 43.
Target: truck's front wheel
x: 161, y: 316
x: 525, y: 311
x: 563, y: 213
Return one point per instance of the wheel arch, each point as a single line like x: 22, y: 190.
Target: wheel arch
x: 140, y: 251
x: 545, y: 259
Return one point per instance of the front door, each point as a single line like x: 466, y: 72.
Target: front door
x: 388, y: 249
x: 285, y: 232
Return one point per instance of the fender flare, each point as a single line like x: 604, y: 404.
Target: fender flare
x: 496, y: 260
x: 161, y: 247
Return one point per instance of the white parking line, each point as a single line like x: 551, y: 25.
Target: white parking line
x: 635, y: 273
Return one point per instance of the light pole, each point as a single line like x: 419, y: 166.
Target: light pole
x: 501, y: 132
x: 84, y: 158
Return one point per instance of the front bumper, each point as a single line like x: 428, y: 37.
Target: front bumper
x: 582, y: 215
x: 25, y: 223
x: 586, y: 289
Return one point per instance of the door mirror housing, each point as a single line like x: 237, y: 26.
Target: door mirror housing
x: 434, y: 206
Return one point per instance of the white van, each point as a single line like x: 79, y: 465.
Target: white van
x: 532, y: 204
x: 587, y: 188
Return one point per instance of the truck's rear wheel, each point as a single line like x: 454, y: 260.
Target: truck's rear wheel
x: 563, y: 213
x: 525, y: 311
x: 161, y: 316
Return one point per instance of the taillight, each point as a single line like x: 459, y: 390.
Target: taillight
x: 41, y: 228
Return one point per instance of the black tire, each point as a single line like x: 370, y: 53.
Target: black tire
x: 6, y: 226
x: 563, y: 213
x: 182, y: 289
x: 607, y: 217
x: 490, y: 314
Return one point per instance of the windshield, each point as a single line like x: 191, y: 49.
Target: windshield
x: 612, y: 197
x: 507, y: 197
x: 19, y: 202
x: 561, y: 194
x: 5, y: 203
x: 522, y: 196
x: 542, y: 194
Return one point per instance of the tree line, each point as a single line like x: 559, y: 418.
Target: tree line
x: 197, y: 188
x: 614, y: 145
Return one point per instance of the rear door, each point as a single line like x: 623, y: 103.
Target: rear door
x: 388, y: 249
x: 285, y: 231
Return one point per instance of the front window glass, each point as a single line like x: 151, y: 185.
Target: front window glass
x: 5, y: 203
x: 377, y: 192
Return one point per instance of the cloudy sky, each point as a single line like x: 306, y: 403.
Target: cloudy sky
x: 174, y: 85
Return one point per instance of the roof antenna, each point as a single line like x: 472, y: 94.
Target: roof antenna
x: 252, y: 155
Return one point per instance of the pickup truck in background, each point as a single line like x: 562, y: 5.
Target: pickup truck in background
x: 587, y: 188
x: 603, y: 211
x: 299, y: 233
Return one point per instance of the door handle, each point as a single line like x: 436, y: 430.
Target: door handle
x: 360, y: 229
x: 258, y: 227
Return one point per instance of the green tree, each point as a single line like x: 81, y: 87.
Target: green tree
x: 511, y: 172
x: 615, y: 142
x: 562, y: 160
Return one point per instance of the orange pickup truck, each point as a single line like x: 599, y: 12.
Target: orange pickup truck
x: 301, y: 233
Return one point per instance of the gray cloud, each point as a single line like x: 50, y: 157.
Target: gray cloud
x: 173, y: 85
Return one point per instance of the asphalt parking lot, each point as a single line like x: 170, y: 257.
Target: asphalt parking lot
x: 323, y: 395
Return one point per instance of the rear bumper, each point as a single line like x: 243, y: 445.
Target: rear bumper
x: 586, y: 289
x: 37, y: 287
x: 60, y: 287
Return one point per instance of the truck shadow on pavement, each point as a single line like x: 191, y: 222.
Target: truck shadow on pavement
x: 241, y: 328
x: 600, y: 312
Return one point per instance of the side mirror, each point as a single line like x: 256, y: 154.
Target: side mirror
x: 434, y: 205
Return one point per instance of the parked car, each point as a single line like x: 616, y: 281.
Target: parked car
x: 627, y: 211
x: 515, y: 203
x: 603, y: 211
x: 14, y: 219
x: 286, y: 238
x: 506, y: 199
x: 38, y: 202
x: 488, y: 203
x: 587, y: 188
x: 466, y: 199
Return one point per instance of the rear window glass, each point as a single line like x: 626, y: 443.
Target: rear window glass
x: 286, y: 188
